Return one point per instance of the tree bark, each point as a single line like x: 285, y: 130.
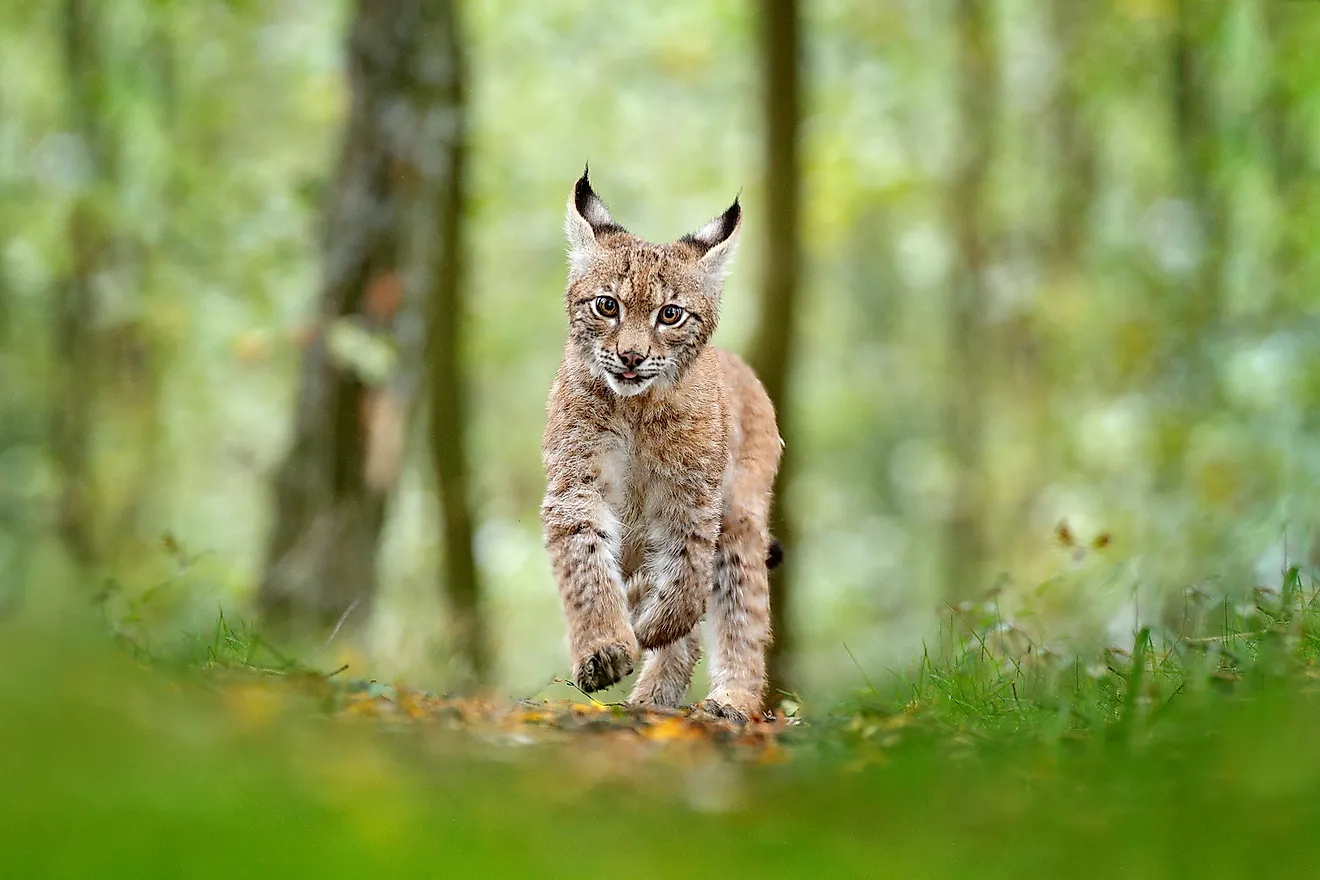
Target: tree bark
x: 781, y: 267
x: 1072, y: 140
x: 1287, y: 145
x: 449, y: 413
x: 1195, y: 301
x: 977, y: 90
x: 74, y: 303
x: 1199, y: 152
x: 364, y: 365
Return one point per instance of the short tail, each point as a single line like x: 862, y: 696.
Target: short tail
x: 775, y: 555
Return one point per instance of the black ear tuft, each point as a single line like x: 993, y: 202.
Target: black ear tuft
x: 590, y: 207
x: 731, y: 216
x: 775, y: 556
x: 584, y: 195
x: 718, y: 230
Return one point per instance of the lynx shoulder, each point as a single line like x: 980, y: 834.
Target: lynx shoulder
x: 660, y: 454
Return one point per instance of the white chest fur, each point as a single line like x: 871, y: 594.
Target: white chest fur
x: 617, y: 468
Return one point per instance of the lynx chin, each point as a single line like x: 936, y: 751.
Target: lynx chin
x: 660, y: 454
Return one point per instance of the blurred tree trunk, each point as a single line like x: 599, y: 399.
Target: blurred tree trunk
x: 1033, y: 354
x: 4, y: 296
x: 449, y: 412
x: 781, y: 265
x: 1072, y: 142
x: 134, y: 359
x: 1199, y: 154
x: 364, y: 366
x: 74, y: 303
x: 967, y: 343
x: 1294, y: 182
x: 1291, y: 164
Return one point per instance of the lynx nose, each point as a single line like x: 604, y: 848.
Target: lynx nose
x: 631, y: 359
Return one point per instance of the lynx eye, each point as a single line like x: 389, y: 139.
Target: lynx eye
x: 607, y: 306
x: 671, y: 315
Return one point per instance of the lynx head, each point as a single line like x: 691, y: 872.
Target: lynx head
x: 640, y: 313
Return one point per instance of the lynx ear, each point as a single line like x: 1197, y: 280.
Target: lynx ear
x: 587, y: 218
x: 716, y: 242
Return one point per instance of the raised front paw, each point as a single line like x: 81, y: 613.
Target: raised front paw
x: 603, y: 667
x: 664, y: 619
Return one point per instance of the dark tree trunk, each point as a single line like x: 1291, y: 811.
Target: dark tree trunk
x: 384, y: 222
x: 74, y: 303
x: 74, y: 373
x: 5, y: 317
x: 1287, y: 145
x: 1072, y: 141
x: 1199, y: 300
x: 449, y: 414
x: 781, y: 267
x: 1198, y: 142
x: 965, y: 542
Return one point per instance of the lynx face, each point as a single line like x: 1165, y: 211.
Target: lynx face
x: 640, y: 313
x: 640, y: 318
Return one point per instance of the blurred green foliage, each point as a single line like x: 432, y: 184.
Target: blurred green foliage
x: 1191, y: 759
x: 1131, y: 392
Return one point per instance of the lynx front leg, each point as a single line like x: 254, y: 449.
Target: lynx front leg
x: 667, y: 672
x: 582, y: 535
x: 680, y: 554
x: 740, y: 620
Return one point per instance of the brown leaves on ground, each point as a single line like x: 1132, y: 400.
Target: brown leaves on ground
x: 531, y: 722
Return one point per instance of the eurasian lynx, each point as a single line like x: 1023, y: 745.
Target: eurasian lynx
x: 660, y: 454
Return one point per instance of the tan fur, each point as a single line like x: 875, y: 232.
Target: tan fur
x: 659, y: 487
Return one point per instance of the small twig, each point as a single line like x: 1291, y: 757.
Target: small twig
x: 860, y: 670
x: 985, y: 650
x: 1159, y: 710
x: 574, y: 686
x: 336, y: 672
x: 1173, y: 647
x: 334, y: 632
x: 1208, y: 639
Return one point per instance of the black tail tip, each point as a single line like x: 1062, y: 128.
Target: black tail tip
x: 775, y: 555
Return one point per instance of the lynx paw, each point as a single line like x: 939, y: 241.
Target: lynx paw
x: 730, y: 707
x: 667, y: 695
x: 663, y: 621
x: 724, y: 711
x: 603, y: 667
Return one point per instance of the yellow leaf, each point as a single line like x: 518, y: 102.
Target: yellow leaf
x: 672, y: 729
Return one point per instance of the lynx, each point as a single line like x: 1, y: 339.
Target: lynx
x: 660, y: 453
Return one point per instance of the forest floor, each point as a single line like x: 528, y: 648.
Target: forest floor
x: 1187, y: 755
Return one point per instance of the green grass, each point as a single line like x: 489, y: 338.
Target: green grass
x: 1195, y: 752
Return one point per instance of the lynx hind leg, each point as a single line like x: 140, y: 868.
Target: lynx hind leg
x: 739, y: 612
x: 667, y: 672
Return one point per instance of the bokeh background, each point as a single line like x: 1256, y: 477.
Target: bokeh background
x: 280, y: 304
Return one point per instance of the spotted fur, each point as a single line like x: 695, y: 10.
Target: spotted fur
x: 660, y: 453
